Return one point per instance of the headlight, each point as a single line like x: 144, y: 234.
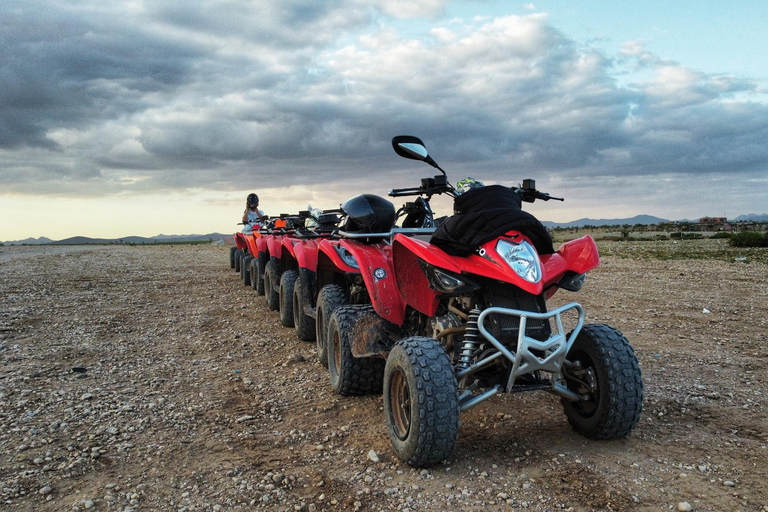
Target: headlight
x: 347, y: 257
x: 444, y: 281
x: 522, y: 258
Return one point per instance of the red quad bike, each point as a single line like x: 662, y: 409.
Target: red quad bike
x: 309, y: 259
x: 298, y: 282
x: 365, y: 244
x: 456, y: 328
x: 242, y: 249
x: 261, y: 255
x: 276, y: 255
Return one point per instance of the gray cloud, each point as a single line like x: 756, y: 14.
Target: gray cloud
x: 100, y: 98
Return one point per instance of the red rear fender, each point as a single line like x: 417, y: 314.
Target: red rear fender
x: 289, y: 244
x: 250, y: 241
x: 261, y: 244
x: 274, y: 243
x: 240, y: 241
x: 329, y: 256
x: 375, y: 262
x: 305, y: 253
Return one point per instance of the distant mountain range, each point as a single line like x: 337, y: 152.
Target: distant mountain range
x: 752, y: 217
x: 643, y: 220
x: 637, y: 219
x: 83, y: 240
x: 216, y: 237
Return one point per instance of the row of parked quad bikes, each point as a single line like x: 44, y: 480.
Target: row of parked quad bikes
x: 439, y: 333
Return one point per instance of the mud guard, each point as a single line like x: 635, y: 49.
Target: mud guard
x: 372, y: 336
x: 376, y: 268
x: 261, y: 244
x: 308, y: 280
x: 240, y: 241
x: 289, y: 244
x: 250, y: 241
x: 306, y: 254
x: 274, y: 244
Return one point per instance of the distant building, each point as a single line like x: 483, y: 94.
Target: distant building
x: 710, y: 224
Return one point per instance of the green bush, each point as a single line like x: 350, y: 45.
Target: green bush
x: 721, y: 234
x: 749, y: 239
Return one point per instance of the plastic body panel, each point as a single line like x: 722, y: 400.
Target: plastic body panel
x: 375, y: 261
x: 578, y: 256
x: 240, y: 241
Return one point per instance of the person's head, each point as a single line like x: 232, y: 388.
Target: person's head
x: 253, y: 201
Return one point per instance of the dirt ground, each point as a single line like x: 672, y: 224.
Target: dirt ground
x: 150, y: 378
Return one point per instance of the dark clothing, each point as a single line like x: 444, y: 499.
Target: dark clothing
x: 486, y: 213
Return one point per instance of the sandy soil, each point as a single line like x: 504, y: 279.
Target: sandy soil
x: 150, y: 378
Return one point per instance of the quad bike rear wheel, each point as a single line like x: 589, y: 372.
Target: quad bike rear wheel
x: 258, y: 266
x: 607, y: 371
x: 238, y: 255
x: 246, y: 269
x: 305, y: 324
x: 421, y: 404
x: 232, y: 251
x: 272, y: 284
x: 253, y: 271
x: 287, y: 284
x: 351, y: 375
x: 330, y: 297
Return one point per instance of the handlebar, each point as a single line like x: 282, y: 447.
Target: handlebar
x: 530, y: 194
x: 429, y: 187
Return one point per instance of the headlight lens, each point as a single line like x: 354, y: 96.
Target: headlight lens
x: 522, y: 258
x: 347, y: 257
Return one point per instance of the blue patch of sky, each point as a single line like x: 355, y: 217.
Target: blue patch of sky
x: 710, y: 36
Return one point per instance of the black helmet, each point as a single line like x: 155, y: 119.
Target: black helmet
x: 368, y: 213
x: 253, y: 199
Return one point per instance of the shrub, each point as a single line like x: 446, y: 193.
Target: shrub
x: 749, y: 239
x: 721, y: 234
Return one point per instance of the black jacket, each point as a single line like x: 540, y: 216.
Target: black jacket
x: 484, y: 214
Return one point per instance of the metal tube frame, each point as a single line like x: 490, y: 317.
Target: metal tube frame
x: 523, y: 359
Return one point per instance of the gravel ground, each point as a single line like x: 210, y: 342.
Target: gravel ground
x: 150, y: 378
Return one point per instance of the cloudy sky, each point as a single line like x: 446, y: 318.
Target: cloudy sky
x: 142, y: 117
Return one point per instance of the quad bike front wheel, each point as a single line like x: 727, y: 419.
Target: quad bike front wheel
x: 351, y: 375
x: 331, y: 296
x: 305, y: 324
x: 272, y: 284
x: 287, y: 283
x: 605, y: 369
x: 421, y: 404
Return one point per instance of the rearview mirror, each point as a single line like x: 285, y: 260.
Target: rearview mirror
x: 411, y: 147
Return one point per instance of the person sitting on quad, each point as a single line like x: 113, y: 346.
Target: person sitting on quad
x: 252, y: 213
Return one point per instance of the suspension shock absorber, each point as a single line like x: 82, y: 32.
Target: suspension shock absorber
x: 471, y: 340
